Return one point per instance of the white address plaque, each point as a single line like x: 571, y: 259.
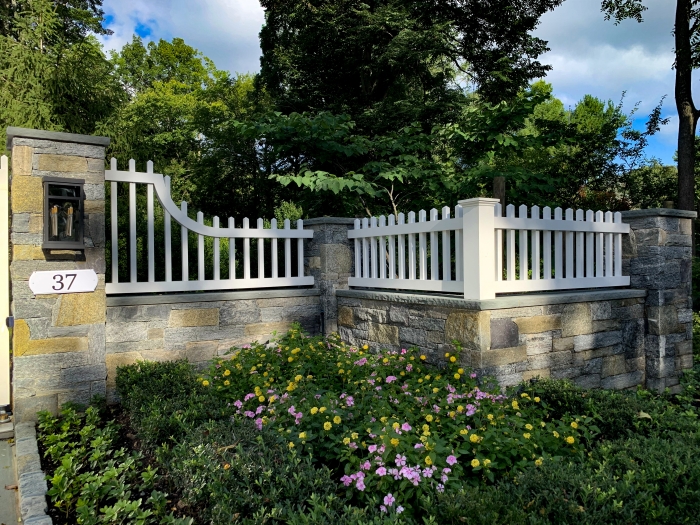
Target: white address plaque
x: 63, y: 281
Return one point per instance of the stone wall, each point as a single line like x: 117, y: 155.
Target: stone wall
x: 594, y: 338
x: 58, y: 340
x: 198, y: 327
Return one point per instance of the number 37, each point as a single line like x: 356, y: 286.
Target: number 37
x: 58, y: 278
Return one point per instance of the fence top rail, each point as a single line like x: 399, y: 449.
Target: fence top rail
x: 161, y: 185
x: 410, y: 223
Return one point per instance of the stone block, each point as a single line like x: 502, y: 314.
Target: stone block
x: 79, y: 393
x: 24, y: 346
x: 384, y: 333
x: 166, y: 355
x: 33, y: 506
x: 113, y: 361
x: 587, y: 381
x: 638, y: 363
x: 543, y: 373
x: 511, y: 313
x: 601, y: 311
x: 599, y: 340
x: 605, y: 326
x: 199, y: 351
x: 660, y: 366
x: 28, y: 462
x: 503, y: 356
x: 398, y: 315
x: 411, y: 337
x: 61, y: 163
x: 196, y: 317
x: 20, y: 222
x: 27, y: 195
x: 22, y: 161
x: 504, y: 333
x: 289, y: 313
x: 552, y: 360
x: 560, y: 344
x: 684, y: 348
x: 635, y: 311
x: 346, y: 317
x: 32, y: 484
x: 685, y: 362
x: 538, y: 324
x: 155, y: 333
x: 149, y: 312
x: 567, y: 373
x: 81, y: 308
x: 94, y: 192
x: 27, y: 253
x: 239, y: 313
x: 613, y: 365
x: 26, y: 408
x: 593, y: 366
x: 576, y: 319
x: 663, y: 320
x: 623, y: 381
x: 126, y: 332
x: 685, y: 315
x: 27, y: 448
x: 633, y: 338
x: 336, y: 258
x: 81, y: 374
x: 32, y: 308
x: 471, y: 328
x: 537, y: 343
x: 258, y: 329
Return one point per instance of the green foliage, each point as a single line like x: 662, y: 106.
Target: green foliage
x: 94, y: 481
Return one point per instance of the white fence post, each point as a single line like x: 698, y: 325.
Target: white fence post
x: 4, y: 284
x: 478, y: 257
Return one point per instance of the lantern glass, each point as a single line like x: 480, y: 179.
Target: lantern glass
x: 63, y: 213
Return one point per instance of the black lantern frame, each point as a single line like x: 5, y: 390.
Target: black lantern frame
x: 63, y: 214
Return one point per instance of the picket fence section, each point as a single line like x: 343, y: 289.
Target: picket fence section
x: 479, y: 253
x: 4, y: 283
x: 236, y: 236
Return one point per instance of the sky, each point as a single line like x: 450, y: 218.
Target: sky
x: 588, y: 55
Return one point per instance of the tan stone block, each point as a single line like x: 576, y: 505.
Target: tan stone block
x: 156, y: 333
x: 267, y: 328
x: 63, y: 163
x: 195, y: 317
x: 22, y: 345
x: 201, y: 351
x: 563, y: 343
x: 22, y: 161
x: 531, y: 374
x: 504, y: 356
x: 116, y: 360
x: 538, y: 324
x: 81, y: 308
x: 613, y: 365
x: 384, y: 333
x: 36, y: 223
x: 663, y: 320
x: 314, y: 263
x: 576, y: 319
x: 27, y: 253
x: 471, y: 328
x: 638, y: 363
x: 27, y: 195
x: 346, y: 316
x: 685, y: 362
x: 92, y: 207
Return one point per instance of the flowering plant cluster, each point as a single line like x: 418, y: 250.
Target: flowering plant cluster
x: 392, y: 426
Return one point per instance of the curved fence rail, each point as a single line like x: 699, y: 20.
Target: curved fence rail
x: 274, y: 270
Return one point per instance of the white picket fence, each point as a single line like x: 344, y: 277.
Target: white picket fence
x: 468, y: 253
x: 4, y: 284
x: 236, y: 237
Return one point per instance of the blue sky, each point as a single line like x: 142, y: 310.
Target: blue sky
x: 588, y: 54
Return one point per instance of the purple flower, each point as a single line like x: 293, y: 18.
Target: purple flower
x: 350, y: 401
x: 366, y: 465
x: 473, y: 376
x: 347, y: 480
x: 406, y: 427
x: 451, y: 460
x: 418, y: 445
x: 238, y: 404
x: 382, y: 508
x: 360, y: 484
x: 258, y: 423
x: 441, y: 488
x: 390, y: 379
x: 389, y: 500
x: 372, y: 449
x: 399, y: 509
x: 381, y: 471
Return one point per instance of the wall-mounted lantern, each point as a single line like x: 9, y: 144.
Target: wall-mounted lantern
x: 63, y: 214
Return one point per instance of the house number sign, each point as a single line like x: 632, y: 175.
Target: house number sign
x: 63, y: 281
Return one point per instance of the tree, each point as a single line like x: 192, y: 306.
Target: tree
x: 687, y: 49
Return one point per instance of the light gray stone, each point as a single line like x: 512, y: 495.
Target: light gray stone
x: 26, y: 446
x: 20, y: 222
x: 138, y: 313
x: 587, y: 381
x: 601, y: 311
x: 240, y: 313
x: 126, y: 332
x: 599, y: 340
x: 82, y: 374
x: 31, y: 506
x: 32, y: 484
x: 38, y: 520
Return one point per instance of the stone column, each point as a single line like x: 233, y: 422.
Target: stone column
x: 658, y: 257
x: 58, y: 340
x: 330, y: 258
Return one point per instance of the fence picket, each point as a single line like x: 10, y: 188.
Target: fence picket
x: 358, y: 273
x: 434, y: 249
x: 392, y: 249
x: 300, y: 250
x: 261, y: 252
x: 217, y: 252
x: 569, y: 246
x: 246, y: 250
x: 200, y: 249
x: 114, y: 226
x: 149, y: 226
x: 580, y: 259
x: 373, y: 248
x: 547, y: 245
x: 618, y: 247
x: 168, y: 238
x: 558, y: 247
x: 381, y: 252
x: 522, y: 213
x: 411, y: 248
x: 599, y: 247
x: 184, y: 242
x: 423, y: 248
x: 132, y: 223
x: 231, y: 252
x: 498, y: 253
x: 535, y: 246
x: 590, y: 248
x: 510, y: 246
x: 287, y: 251
x: 402, y: 249
x: 608, y: 247
x: 273, y: 226
x: 446, y: 251
x: 365, y: 250
x: 459, y: 239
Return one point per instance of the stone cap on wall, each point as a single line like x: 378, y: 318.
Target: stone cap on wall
x: 57, y: 136
x: 329, y: 220
x: 508, y: 301
x: 659, y: 212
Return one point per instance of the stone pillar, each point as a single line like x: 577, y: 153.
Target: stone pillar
x: 58, y: 341
x: 329, y: 257
x: 657, y: 255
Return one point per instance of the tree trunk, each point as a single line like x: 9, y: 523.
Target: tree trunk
x: 688, y: 115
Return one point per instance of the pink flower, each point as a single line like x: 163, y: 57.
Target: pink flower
x: 372, y: 449
x: 381, y: 471
x: 360, y: 484
x: 406, y: 427
x: 347, y: 480
x: 409, y: 368
x: 390, y: 379
x: 473, y: 376
x: 441, y: 488
x: 418, y: 445
x: 258, y: 423
x: 389, y: 500
x: 366, y: 465
x: 382, y: 508
x: 451, y: 460
x: 350, y: 401
x: 399, y: 509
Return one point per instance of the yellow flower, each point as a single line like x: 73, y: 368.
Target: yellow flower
x: 452, y: 413
x: 528, y: 426
x: 265, y: 374
x: 453, y: 359
x: 460, y: 408
x: 428, y: 461
x: 385, y: 360
x: 487, y: 462
x: 447, y: 354
x: 298, y: 378
x: 314, y: 410
x: 574, y: 424
x: 253, y: 368
x: 327, y: 425
x: 542, y: 424
x: 475, y: 463
x: 464, y: 432
x: 436, y: 390
x: 427, y: 378
x: 296, y: 351
x: 395, y: 442
x: 205, y: 383
x: 309, y: 377
x: 383, y: 419
x: 515, y: 405
x: 425, y: 427
x: 474, y: 438
x: 302, y: 435
x: 423, y: 358
x: 322, y: 410
x: 226, y: 374
x: 271, y: 399
x: 490, y: 417
x: 336, y: 420
x: 395, y: 425
x: 261, y: 399
x: 538, y: 462
x: 420, y: 380
x: 290, y: 359
x: 457, y: 376
x: 346, y: 441
x: 341, y: 371
x: 354, y: 435
x: 290, y: 445
x: 537, y: 400
x: 365, y: 347
x: 227, y: 382
x: 226, y: 466
x: 526, y: 435
x: 428, y: 418
x: 556, y: 434
x: 570, y: 440
x: 525, y: 395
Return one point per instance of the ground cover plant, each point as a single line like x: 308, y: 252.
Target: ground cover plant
x: 312, y: 431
